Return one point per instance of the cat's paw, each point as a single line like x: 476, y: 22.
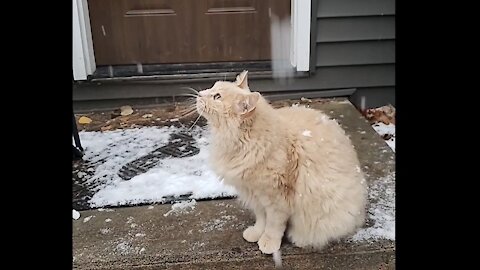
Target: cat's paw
x: 269, y: 245
x: 251, y: 234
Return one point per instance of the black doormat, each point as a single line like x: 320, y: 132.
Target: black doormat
x: 180, y: 145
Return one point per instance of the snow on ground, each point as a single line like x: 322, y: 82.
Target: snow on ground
x: 87, y: 219
x: 182, y: 207
x: 383, y: 129
x: 75, y: 214
x: 381, y: 211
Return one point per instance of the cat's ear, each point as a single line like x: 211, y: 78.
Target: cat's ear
x: 247, y: 103
x: 242, y: 80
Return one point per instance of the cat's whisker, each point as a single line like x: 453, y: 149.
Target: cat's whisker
x: 188, y: 95
x: 189, y: 103
x: 190, y: 88
x: 187, y: 113
x: 189, y: 109
x: 196, y: 120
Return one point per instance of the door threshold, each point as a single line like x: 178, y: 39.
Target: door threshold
x: 173, y: 73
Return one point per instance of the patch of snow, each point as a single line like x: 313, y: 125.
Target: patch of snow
x: 108, y: 220
x: 106, y: 210
x: 381, y: 211
x: 182, y: 207
x: 105, y: 230
x: 123, y: 248
x: 307, y: 133
x: 75, y: 214
x: 110, y: 150
x: 173, y: 177
x: 151, y: 207
x: 87, y: 219
x: 216, y: 224
x: 196, y: 245
x: 139, y: 235
x: 383, y: 129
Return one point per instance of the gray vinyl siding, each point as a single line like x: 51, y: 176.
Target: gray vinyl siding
x: 358, y: 36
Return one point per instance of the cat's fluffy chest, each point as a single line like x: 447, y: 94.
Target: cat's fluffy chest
x: 255, y: 159
x: 229, y: 162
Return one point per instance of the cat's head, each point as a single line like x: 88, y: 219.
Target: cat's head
x: 227, y: 103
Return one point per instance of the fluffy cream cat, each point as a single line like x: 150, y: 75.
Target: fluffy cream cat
x: 290, y: 166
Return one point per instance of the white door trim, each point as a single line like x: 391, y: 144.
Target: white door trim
x: 301, y: 19
x: 83, y: 61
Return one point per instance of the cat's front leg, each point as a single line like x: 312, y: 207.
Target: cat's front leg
x: 253, y: 233
x: 276, y: 223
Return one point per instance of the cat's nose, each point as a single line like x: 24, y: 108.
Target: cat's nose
x: 203, y: 93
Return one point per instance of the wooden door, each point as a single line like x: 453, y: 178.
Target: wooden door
x: 182, y: 31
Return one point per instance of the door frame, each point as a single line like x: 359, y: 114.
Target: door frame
x: 83, y: 57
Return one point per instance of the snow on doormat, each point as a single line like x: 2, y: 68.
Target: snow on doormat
x: 172, y: 177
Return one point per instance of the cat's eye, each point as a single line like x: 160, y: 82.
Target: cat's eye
x: 217, y: 96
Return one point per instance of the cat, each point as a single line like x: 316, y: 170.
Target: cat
x: 291, y: 166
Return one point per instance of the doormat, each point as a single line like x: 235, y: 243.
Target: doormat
x: 144, y: 166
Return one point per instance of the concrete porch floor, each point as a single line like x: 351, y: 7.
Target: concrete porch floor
x: 210, y: 235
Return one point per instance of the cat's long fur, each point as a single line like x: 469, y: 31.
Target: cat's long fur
x: 291, y: 165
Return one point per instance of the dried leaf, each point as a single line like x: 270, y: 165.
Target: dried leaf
x: 105, y: 128
x: 126, y: 110
x: 384, y: 119
x: 84, y: 120
x: 305, y: 99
